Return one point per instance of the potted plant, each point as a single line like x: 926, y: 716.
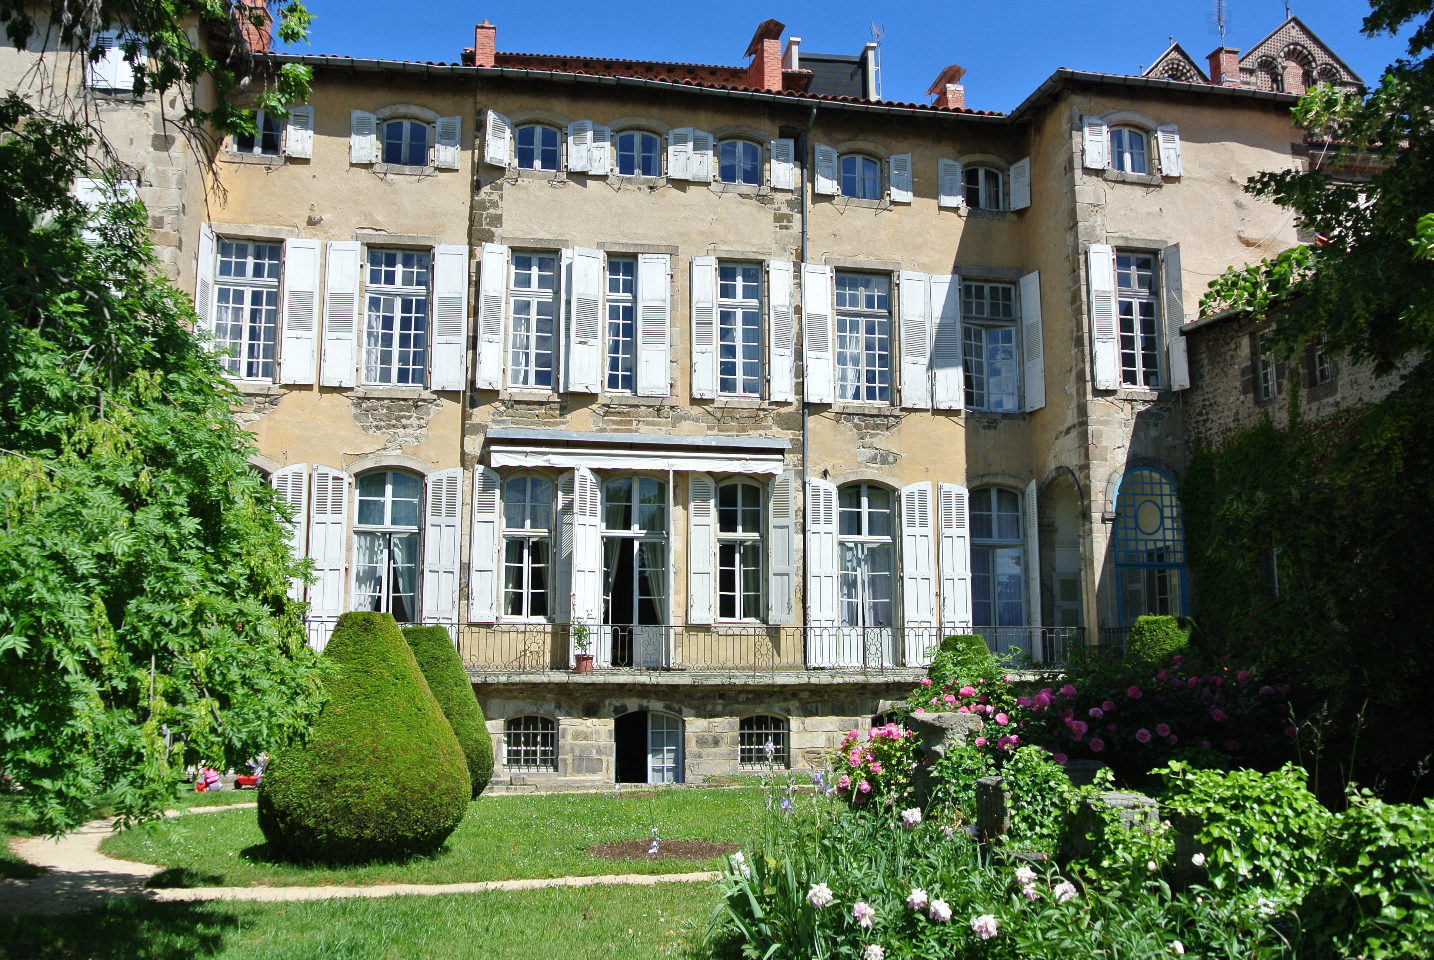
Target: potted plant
x: 582, y: 642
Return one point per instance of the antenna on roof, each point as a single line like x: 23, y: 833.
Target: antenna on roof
x: 1221, y: 18
x: 876, y: 34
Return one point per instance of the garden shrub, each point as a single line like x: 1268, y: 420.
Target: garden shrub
x: 1155, y: 640
x: 448, y: 682
x: 1039, y: 790
x: 381, y: 774
x: 954, y: 779
x: 963, y: 657
x: 878, y: 769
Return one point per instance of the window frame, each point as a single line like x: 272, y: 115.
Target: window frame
x: 387, y: 530
x: 740, y: 143
x: 751, y: 754
x: 1148, y: 357
x: 984, y: 189
x: 1267, y: 380
x: 397, y: 292
x: 539, y: 128
x: 740, y: 309
x: 859, y: 175
x: 1124, y: 154
x: 430, y: 135
x: 638, y: 154
x: 529, y: 370
x: 997, y: 542
x: 974, y: 367
x: 528, y: 534
x: 739, y: 539
x: 863, y: 314
x: 544, y: 743
x: 866, y: 539
x: 620, y: 299
x: 1321, y: 363
x: 256, y: 142
x: 270, y: 287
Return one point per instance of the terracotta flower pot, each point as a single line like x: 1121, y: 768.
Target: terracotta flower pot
x: 583, y: 663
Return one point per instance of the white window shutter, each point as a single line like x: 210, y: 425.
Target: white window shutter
x: 492, y: 311
x: 900, y: 177
x: 1095, y: 144
x: 292, y: 483
x: 679, y: 153
x: 484, y: 547
x: 702, y: 145
x: 600, y: 153
x: 585, y: 605
x: 328, y: 541
x: 363, y: 137
x: 123, y: 70
x: 441, y: 537
x: 1021, y: 184
x: 580, y: 138
x: 827, y: 182
x: 300, y: 354
x: 915, y: 307
x: 701, y: 548
x: 1033, y: 341
x: 782, y: 175
x: 448, y: 141
x: 949, y: 187
x: 100, y: 74
x: 818, y: 356
x: 203, y: 274
x: 704, y: 327
x: 953, y: 505
x: 654, y: 325
x: 918, y: 573
x: 497, y: 140
x: 1033, y: 561
x: 450, y: 317
x: 1168, y: 137
x: 782, y: 549
x: 341, y: 310
x: 947, y: 364
x: 781, y: 373
x: 299, y: 133
x: 1103, y: 337
x: 1175, y: 345
x: 585, y: 344
x: 824, y: 646
x: 563, y: 553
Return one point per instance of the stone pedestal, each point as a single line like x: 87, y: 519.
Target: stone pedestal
x: 939, y: 733
x: 993, y: 808
x: 1135, y: 809
x: 1082, y: 772
x: 1184, y: 829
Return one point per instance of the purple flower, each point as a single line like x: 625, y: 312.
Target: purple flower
x: 1143, y: 735
x: 1162, y: 729
x: 1133, y: 693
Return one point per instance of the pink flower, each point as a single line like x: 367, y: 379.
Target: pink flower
x: 868, y: 756
x: 1218, y: 681
x: 875, y: 768
x: 1079, y: 727
x: 1068, y: 690
x: 1024, y: 701
x: 1067, y: 713
x: 854, y: 758
x: 981, y: 741
x: 1218, y: 715
x: 1143, y: 735
x: 935, y: 701
x: 1289, y: 731
x: 1172, y: 739
x: 864, y: 787
x: 1205, y: 744
x: 875, y: 951
x: 1133, y: 693
x: 926, y: 681
x: 1231, y: 746
x: 1243, y: 676
x: 819, y: 895
x: 1112, y: 727
x: 1096, y: 713
x: 843, y: 783
x: 1193, y: 682
x: 986, y: 926
x: 864, y: 914
x: 1162, y: 729
x: 1042, y: 700
x: 1163, y: 675
x: 1002, y: 719
x: 940, y: 911
x: 949, y: 698
x: 1178, y: 659
x: 967, y: 691
x: 1096, y: 745
x: 918, y: 710
x: 1266, y: 690
x: 918, y: 898
x: 1107, y: 706
x: 1060, y: 759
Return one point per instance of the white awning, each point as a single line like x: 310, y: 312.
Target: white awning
x: 566, y: 458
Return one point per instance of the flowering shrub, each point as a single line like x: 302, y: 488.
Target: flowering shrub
x: 880, y: 767
x: 1003, y: 723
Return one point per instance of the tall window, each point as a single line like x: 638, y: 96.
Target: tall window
x: 1127, y: 150
x: 634, y: 532
x: 1267, y: 383
x: 860, y: 177
x: 739, y: 329
x: 530, y: 744
x: 739, y: 551
x: 396, y: 330
x: 386, y: 544
x: 621, y: 324
x: 1139, y: 320
x: 537, y: 147
x: 739, y: 161
x: 534, y: 308
x: 863, y: 337
x: 639, y: 155
x: 246, y: 308
x: 868, y: 555
x: 981, y: 187
x: 527, y: 547
x: 265, y: 138
x: 1149, y: 540
x: 988, y: 333
x: 754, y: 734
x: 1321, y: 366
x: 405, y: 142
x: 998, y: 577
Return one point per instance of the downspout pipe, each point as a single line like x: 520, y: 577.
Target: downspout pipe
x: 806, y: 555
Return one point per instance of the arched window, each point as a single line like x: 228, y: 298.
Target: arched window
x: 739, y: 161
x: 396, y: 325
x: 527, y: 547
x: 998, y: 569
x: 1149, y: 546
x: 538, y: 147
x: 867, y: 549
x: 981, y: 187
x: 406, y: 142
x: 739, y: 551
x: 638, y: 155
x: 386, y: 544
x: 1128, y: 150
x: 860, y: 177
x: 634, y: 539
x: 530, y: 744
x: 754, y: 734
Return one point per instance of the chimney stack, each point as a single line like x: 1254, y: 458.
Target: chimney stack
x: 792, y: 60
x: 765, y: 71
x: 1225, y: 67
x: 260, y: 37
x: 485, y: 44
x: 949, y: 93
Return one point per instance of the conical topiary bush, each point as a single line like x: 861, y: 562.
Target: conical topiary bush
x: 443, y: 669
x: 381, y: 774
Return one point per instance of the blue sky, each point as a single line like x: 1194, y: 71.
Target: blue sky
x: 1006, y: 48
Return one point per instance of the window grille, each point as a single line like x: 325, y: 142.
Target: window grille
x: 753, y: 735
x: 530, y: 744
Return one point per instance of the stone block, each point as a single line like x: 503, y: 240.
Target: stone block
x: 942, y: 731
x: 1185, y: 828
x: 993, y: 807
x: 1135, y: 809
x: 1082, y: 772
x: 821, y: 725
x: 588, y: 766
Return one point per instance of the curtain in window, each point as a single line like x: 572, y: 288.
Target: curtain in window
x: 652, y: 582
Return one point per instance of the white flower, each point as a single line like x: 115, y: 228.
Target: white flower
x: 1265, y: 906
x: 1025, y: 876
x: 940, y: 911
x: 1065, y: 890
x: 910, y: 817
x: 1031, y: 893
x: 873, y: 952
x: 1177, y: 948
x: 1198, y: 859
x: 819, y: 895
x: 739, y: 865
x: 917, y: 900
x: 986, y: 926
x: 1152, y: 866
x: 864, y: 913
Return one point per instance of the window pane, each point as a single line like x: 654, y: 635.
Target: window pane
x: 849, y: 499
x: 627, y: 154
x: 878, y: 509
x: 751, y: 163
x: 515, y: 501
x: 1008, y: 515
x: 618, y: 494
x: 727, y: 508
x: 728, y: 161
x: 652, y: 506
x: 540, y: 504
x: 371, y: 490
x: 651, y: 157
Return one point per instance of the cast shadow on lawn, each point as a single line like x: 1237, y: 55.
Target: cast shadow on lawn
x: 184, y: 877
x: 265, y: 854
x: 124, y: 929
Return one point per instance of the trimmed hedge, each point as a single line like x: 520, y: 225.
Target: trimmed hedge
x: 381, y: 775
x: 448, y: 681
x: 963, y: 656
x: 1153, y: 639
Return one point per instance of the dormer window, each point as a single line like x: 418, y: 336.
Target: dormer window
x: 406, y: 142
x: 1128, y: 150
x: 860, y: 177
x: 537, y: 147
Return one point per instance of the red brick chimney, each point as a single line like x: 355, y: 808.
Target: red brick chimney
x: 258, y: 37
x: 1225, y: 67
x: 765, y: 71
x: 485, y: 44
x: 950, y: 95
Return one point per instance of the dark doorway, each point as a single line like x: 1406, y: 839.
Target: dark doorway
x: 630, y: 740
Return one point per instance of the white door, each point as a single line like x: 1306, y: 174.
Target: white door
x: 664, y: 748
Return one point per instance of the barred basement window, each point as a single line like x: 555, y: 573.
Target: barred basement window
x: 753, y: 735
x: 530, y: 743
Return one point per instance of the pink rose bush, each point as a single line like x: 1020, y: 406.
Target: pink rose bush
x: 879, y: 767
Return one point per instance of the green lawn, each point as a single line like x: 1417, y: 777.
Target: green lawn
x: 597, y: 923
x: 501, y: 838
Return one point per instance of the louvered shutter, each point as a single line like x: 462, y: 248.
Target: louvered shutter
x: 363, y: 137
x: 1175, y: 346
x: 299, y: 133
x: 679, y: 153
x: 112, y: 71
x: 704, y: 327
x: 948, y: 176
x: 1168, y: 138
x: 341, y: 309
x: 1033, y: 558
x: 301, y: 309
x: 1021, y: 184
x: 782, y: 549
x: 701, y: 548
x: 483, y: 548
x: 918, y: 574
x: 701, y: 156
x: 580, y: 138
x: 1033, y: 341
x: 826, y: 182
x: 586, y: 603
x: 447, y: 142
x: 1103, y: 338
x: 947, y: 366
x: 1095, y: 144
x: 497, y: 139
x: 953, y: 507
x: 823, y: 575
x: 328, y: 526
x: 450, y: 317
x: 817, y: 354
x: 900, y: 175
x: 782, y: 174
x: 203, y: 277
x: 585, y: 344
x: 654, y: 325
x: 781, y: 375
x: 492, y: 311
x: 600, y: 153
x: 441, y: 538
x: 292, y: 483
x: 915, y: 341
x: 563, y: 552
